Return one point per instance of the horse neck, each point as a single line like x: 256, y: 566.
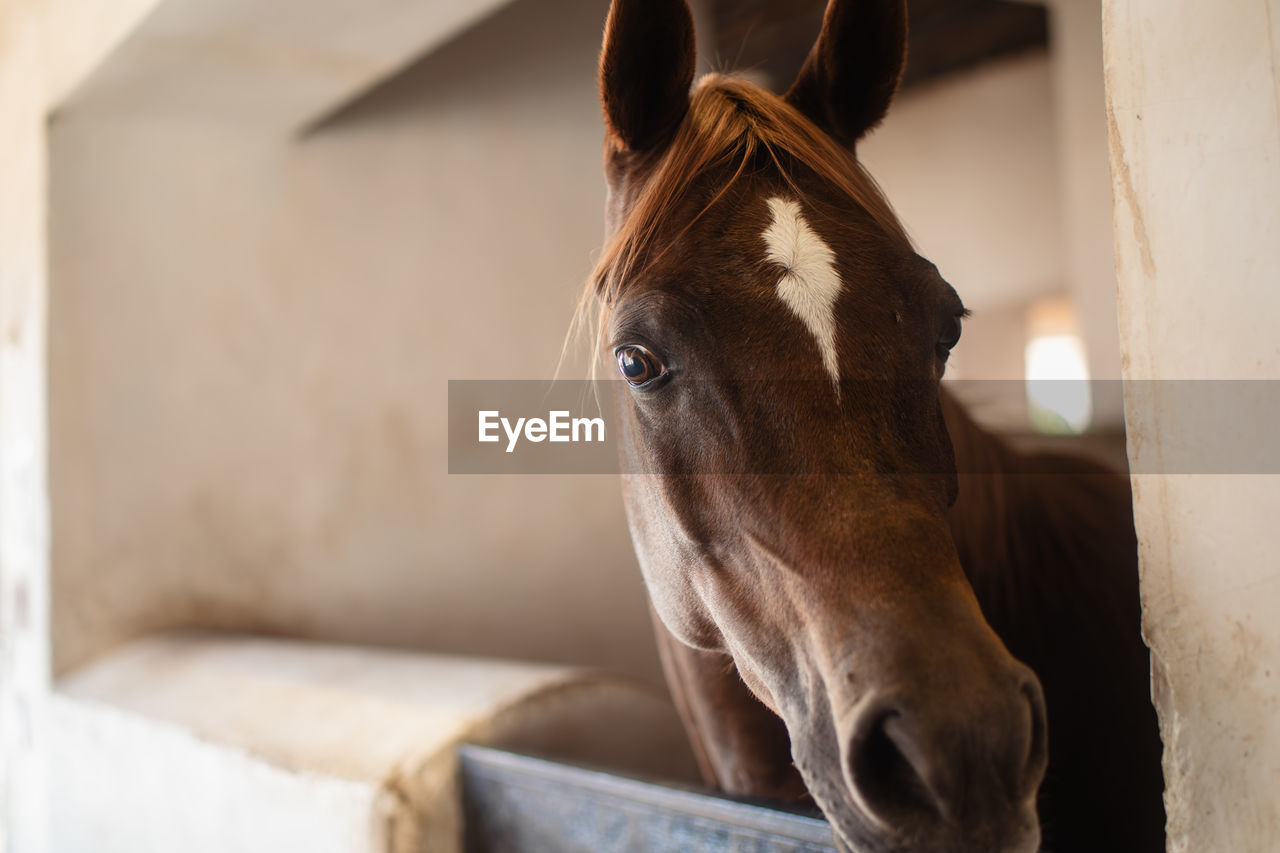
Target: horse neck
x: 1041, y: 527
x: 983, y: 519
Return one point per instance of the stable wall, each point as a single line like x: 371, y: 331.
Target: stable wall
x: 252, y: 335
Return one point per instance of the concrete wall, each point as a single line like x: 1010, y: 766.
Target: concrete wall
x: 1194, y: 107
x: 252, y: 335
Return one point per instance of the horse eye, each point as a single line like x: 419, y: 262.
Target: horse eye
x: 949, y: 337
x: 638, y: 366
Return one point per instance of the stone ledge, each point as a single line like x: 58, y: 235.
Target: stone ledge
x: 229, y: 742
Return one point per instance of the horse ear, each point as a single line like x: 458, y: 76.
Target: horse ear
x: 646, y: 70
x: 851, y: 74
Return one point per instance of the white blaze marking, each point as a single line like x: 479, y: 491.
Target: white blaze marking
x: 809, y: 283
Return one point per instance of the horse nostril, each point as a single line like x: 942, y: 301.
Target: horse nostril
x: 972, y: 764
x: 1037, y: 755
x: 885, y: 771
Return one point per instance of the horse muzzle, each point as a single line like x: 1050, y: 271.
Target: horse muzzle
x: 923, y: 772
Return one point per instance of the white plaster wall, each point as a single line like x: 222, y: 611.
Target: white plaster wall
x: 1194, y: 110
x: 251, y: 341
x: 219, y: 742
x: 110, y: 764
x: 970, y: 164
x: 45, y: 45
x: 23, y: 516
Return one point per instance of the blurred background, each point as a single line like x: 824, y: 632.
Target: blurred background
x: 259, y: 293
x: 244, y: 245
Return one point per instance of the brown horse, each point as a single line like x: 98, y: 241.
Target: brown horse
x: 860, y: 596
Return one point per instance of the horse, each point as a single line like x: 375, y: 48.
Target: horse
x: 862, y: 599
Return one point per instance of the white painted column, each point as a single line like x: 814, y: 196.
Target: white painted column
x: 1194, y: 110
x: 24, y: 539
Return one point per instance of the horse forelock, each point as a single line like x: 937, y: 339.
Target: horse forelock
x: 730, y: 123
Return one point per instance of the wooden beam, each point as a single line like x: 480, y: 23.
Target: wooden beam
x: 772, y: 37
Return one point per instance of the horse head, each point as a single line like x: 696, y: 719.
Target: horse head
x: 789, y: 471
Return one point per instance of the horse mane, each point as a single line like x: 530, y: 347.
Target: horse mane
x: 1043, y: 527
x: 731, y: 124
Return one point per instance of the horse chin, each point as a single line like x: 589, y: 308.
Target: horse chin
x: 1019, y: 833
x: 1029, y: 842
